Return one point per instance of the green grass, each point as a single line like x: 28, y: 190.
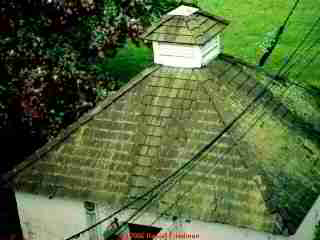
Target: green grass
x: 129, y: 61
x: 250, y: 22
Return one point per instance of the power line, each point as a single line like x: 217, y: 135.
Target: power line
x: 309, y: 90
x: 228, y: 150
x: 185, y: 165
x: 158, y: 195
x: 235, y: 143
x: 316, y: 55
x: 291, y: 12
x: 211, y: 169
x: 278, y: 35
x: 299, y: 45
x: 287, y: 72
x: 276, y: 78
x: 135, y: 214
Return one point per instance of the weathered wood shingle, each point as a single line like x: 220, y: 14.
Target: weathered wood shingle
x: 141, y: 135
x: 196, y: 29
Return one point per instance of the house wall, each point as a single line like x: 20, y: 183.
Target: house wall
x: 194, y: 229
x: 215, y: 231
x: 43, y: 218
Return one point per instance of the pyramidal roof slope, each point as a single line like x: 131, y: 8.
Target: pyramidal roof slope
x: 145, y: 132
x: 195, y: 27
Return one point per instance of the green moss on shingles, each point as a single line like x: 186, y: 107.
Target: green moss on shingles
x: 102, y: 142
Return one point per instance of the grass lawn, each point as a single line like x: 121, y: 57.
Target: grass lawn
x: 128, y: 62
x: 251, y: 21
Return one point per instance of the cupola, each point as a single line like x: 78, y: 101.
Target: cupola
x: 186, y: 37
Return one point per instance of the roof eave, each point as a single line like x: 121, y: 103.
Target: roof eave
x: 151, y: 29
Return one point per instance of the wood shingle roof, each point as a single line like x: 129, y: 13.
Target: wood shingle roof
x: 196, y: 29
x: 142, y: 134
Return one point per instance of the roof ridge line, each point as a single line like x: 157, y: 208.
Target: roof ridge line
x: 190, y: 30
x: 65, y: 133
x: 153, y: 28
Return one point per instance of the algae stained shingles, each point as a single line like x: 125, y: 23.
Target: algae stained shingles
x: 196, y: 29
x: 148, y: 133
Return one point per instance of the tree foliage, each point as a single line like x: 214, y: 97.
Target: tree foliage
x: 51, y: 56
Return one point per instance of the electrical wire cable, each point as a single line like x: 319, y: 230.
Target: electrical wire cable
x: 235, y: 144
x: 306, y: 89
x: 291, y: 12
x: 210, y: 170
x: 316, y: 55
x: 287, y: 71
x: 157, y: 195
x: 185, y: 165
x: 227, y: 151
x: 299, y: 46
x: 280, y: 31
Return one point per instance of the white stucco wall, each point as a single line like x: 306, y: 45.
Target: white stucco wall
x: 204, y: 231
x: 225, y: 232
x: 42, y: 218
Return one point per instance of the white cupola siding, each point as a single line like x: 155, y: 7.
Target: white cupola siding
x: 186, y: 37
x: 186, y: 56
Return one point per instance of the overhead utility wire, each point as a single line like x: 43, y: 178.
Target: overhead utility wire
x: 135, y: 214
x: 307, y: 89
x: 157, y: 194
x: 274, y: 77
x: 299, y: 47
x: 277, y: 37
x: 229, y: 149
x: 302, y: 58
x: 217, y: 161
x: 210, y: 170
x: 142, y: 209
x: 316, y: 55
x: 185, y: 165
